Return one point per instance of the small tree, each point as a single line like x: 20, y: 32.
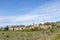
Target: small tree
x: 32, y: 29
x: 0, y: 29
x: 6, y: 28
x: 47, y: 23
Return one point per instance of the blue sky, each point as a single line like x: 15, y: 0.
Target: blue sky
x: 17, y: 12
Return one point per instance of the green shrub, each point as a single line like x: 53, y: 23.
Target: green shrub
x: 32, y: 29
x: 2, y: 33
x: 6, y: 28
x: 7, y: 36
x: 51, y: 30
x: 0, y: 29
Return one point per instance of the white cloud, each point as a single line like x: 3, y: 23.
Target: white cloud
x: 22, y: 18
x: 18, y: 18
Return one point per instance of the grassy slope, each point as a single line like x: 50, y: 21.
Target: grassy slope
x: 17, y: 35
x: 57, y: 37
x: 28, y: 35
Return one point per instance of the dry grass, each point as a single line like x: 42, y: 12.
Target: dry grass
x: 27, y: 35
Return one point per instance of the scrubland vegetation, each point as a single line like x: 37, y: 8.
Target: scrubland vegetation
x: 32, y: 34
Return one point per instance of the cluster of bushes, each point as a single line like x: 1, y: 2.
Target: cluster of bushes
x: 4, y: 29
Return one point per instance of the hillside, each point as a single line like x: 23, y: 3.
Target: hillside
x: 28, y: 35
x: 41, y: 34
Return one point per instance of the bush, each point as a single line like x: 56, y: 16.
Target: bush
x: 7, y: 36
x: 6, y: 28
x: 51, y: 30
x: 0, y: 29
x: 32, y: 29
